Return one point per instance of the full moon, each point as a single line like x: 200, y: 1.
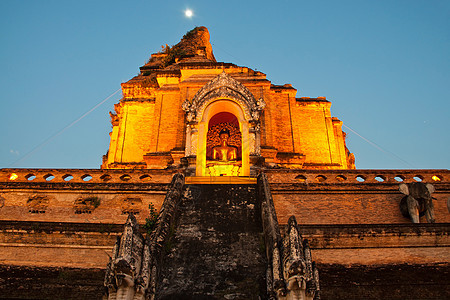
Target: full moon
x: 188, y: 13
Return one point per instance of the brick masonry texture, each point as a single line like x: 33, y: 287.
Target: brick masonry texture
x: 151, y: 119
x: 331, y: 202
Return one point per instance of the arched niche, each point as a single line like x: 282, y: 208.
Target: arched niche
x: 215, y: 108
x: 222, y: 94
x: 223, y: 129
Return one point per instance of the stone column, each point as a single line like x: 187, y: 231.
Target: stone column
x: 200, y: 141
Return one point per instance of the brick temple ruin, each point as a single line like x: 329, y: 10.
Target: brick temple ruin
x: 255, y: 192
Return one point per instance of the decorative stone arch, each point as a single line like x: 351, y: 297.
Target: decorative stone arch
x: 222, y: 94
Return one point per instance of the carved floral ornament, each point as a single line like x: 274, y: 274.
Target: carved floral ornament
x: 223, y: 87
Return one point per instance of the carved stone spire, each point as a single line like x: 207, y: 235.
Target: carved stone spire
x: 300, y: 276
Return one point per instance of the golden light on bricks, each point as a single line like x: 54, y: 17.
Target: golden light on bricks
x: 274, y: 126
x: 13, y: 176
x: 436, y: 178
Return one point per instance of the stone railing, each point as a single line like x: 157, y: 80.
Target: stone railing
x: 133, y: 269
x: 274, y: 176
x: 271, y: 231
x: 86, y: 175
x: 291, y: 273
x: 357, y: 176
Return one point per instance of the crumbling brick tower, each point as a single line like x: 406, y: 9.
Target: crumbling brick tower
x: 170, y: 110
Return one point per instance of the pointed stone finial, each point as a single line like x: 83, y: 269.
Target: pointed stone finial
x: 300, y: 276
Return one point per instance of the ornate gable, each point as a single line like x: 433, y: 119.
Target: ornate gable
x: 223, y: 86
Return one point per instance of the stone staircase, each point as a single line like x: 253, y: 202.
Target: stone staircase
x: 215, y: 248
x: 213, y: 241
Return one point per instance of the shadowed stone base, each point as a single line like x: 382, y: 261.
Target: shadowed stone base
x: 19, y: 282
x: 384, y: 282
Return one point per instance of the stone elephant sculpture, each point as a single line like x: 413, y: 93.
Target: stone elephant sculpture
x: 417, y: 201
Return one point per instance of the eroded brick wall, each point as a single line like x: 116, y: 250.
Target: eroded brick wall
x: 114, y: 194
x: 151, y: 119
x: 50, y: 244
x: 379, y: 244
x: 337, y: 197
x: 348, y: 222
x: 26, y: 282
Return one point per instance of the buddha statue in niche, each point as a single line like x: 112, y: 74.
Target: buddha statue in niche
x: 224, y: 152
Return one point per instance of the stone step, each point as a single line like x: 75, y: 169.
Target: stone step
x: 216, y: 249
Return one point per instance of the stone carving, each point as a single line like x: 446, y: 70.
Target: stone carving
x: 261, y: 104
x: 300, y: 277
x: 292, y: 273
x: 131, y: 205
x: 37, y: 203
x: 86, y: 205
x: 186, y: 105
x: 223, y: 86
x: 132, y: 270
x: 127, y: 273
x: 418, y: 201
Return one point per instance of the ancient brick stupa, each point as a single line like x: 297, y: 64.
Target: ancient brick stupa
x: 183, y: 99
x: 219, y: 184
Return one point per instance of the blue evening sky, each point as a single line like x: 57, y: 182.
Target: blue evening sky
x: 385, y: 65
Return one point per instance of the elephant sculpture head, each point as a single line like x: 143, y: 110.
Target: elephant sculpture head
x: 417, y: 201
